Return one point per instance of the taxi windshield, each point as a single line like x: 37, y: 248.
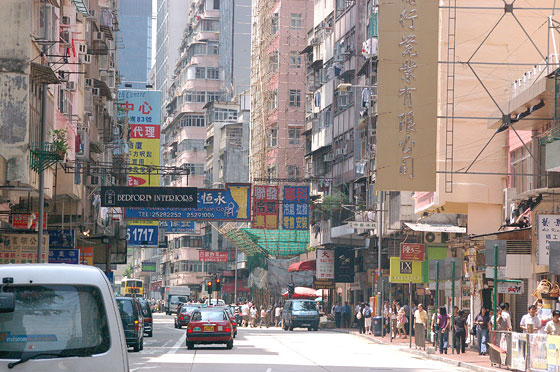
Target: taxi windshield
x: 53, y: 319
x: 305, y: 306
x: 212, y: 316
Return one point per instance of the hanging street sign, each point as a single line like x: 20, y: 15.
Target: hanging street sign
x: 152, y: 197
x: 142, y: 235
x: 230, y: 204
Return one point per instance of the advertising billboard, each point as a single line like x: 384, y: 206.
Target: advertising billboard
x: 407, y: 95
x: 151, y: 197
x: 295, y: 208
x: 265, y: 207
x: 67, y: 256
x: 325, y: 264
x: 344, y: 265
x: 213, y: 256
x: 22, y: 248
x: 230, y: 204
x: 405, y: 271
x: 177, y: 227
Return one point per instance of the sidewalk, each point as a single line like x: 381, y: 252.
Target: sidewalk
x: 470, y: 359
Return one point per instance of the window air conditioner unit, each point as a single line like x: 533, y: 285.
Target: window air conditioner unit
x: 432, y: 237
x: 98, y: 36
x: 65, y: 20
x: 82, y: 48
x: 85, y: 58
x: 71, y: 85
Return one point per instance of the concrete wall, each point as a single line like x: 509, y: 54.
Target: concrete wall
x: 15, y: 53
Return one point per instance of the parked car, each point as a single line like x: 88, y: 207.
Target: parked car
x: 72, y: 308
x: 300, y: 313
x: 184, y: 314
x: 147, y: 314
x: 209, y: 326
x: 133, y: 322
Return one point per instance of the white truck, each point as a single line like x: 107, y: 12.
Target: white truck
x: 174, y: 296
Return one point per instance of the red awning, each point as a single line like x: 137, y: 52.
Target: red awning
x: 303, y: 266
x: 303, y: 293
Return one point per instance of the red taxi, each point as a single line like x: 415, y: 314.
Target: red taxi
x: 209, y: 326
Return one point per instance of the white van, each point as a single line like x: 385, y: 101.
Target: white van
x: 57, y: 317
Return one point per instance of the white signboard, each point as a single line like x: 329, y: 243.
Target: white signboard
x: 325, y: 264
x: 368, y: 225
x: 510, y: 288
x: 490, y: 272
x: 548, y: 226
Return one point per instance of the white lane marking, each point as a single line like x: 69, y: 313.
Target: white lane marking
x: 269, y: 370
x: 175, y: 347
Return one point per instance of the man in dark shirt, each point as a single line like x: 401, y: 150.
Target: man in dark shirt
x: 460, y: 333
x: 347, y: 314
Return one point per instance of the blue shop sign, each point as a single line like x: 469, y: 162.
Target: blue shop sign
x: 61, y: 239
x: 67, y: 256
x: 142, y: 235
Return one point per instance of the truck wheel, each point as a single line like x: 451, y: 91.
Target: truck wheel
x: 190, y: 345
x: 229, y: 345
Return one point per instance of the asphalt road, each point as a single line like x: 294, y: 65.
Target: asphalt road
x: 274, y: 350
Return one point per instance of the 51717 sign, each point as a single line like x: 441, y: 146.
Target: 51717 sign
x: 138, y: 235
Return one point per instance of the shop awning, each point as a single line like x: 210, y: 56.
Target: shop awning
x: 276, y: 243
x: 428, y: 227
x: 304, y: 292
x: 43, y: 74
x: 308, y: 265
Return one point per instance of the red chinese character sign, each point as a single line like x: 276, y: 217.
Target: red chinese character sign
x: 144, y: 119
x: 325, y: 264
x: 412, y: 252
x: 212, y: 256
x: 295, y: 208
x: 265, y: 207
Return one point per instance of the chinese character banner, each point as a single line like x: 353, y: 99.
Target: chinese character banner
x: 265, y: 207
x: 295, y: 208
x: 407, y: 78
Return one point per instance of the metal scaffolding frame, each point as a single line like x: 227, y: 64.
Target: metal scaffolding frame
x: 509, y: 9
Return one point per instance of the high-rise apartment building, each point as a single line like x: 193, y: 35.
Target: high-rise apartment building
x: 135, y: 54
x: 278, y: 87
x: 171, y: 21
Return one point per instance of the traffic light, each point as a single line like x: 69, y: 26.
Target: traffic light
x: 209, y: 287
x: 218, y: 284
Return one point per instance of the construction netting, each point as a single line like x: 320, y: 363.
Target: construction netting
x: 275, y: 243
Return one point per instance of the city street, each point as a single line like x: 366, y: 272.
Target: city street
x: 274, y: 350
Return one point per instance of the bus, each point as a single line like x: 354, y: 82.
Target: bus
x: 132, y: 288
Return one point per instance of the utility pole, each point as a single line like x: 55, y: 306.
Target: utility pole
x: 235, y: 277
x: 43, y: 139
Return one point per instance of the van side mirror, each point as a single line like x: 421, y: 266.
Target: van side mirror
x: 7, y: 302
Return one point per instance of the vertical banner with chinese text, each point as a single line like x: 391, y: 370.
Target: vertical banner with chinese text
x: 265, y: 206
x: 144, y: 122
x: 408, y: 95
x: 295, y: 208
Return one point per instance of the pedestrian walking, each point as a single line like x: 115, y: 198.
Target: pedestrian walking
x: 501, y: 321
x: 553, y: 326
x: 253, y: 313
x: 482, y: 321
x: 360, y: 319
x: 460, y: 332
x: 443, y: 330
x: 420, y: 325
x: 337, y: 310
x: 277, y: 315
x: 245, y: 314
x: 531, y: 322
x: 387, y: 317
x: 394, y: 320
x: 367, y: 319
x: 346, y: 315
x: 401, y: 321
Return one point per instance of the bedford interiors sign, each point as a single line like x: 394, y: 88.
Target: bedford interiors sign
x: 151, y: 197
x: 408, y: 79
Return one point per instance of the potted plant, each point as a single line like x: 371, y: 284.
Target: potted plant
x: 60, y: 141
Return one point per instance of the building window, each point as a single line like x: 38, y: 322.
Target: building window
x: 213, y: 48
x: 293, y: 136
x: 273, y: 137
x: 195, y: 169
x: 273, y: 62
x: 213, y: 73
x: 271, y: 172
x: 295, y: 97
x: 216, y: 4
x: 520, y: 163
x: 292, y: 171
x: 200, y: 73
x: 295, y: 60
x: 273, y: 101
x: 274, y: 24
x: 195, y: 96
x: 213, y: 96
x: 296, y: 21
x: 193, y: 121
